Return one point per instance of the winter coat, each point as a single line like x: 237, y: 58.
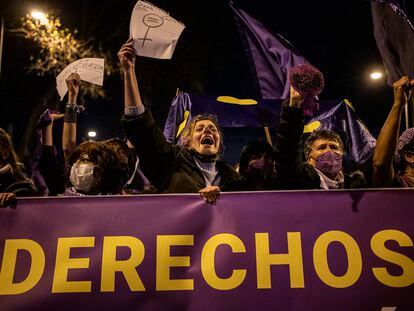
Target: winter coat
x: 171, y: 168
x: 292, y: 172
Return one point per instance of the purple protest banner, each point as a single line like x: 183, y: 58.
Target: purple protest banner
x: 310, y: 250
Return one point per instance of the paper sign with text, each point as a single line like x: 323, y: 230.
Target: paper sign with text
x: 89, y: 69
x: 154, y: 31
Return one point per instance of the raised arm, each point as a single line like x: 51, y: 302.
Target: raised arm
x: 47, y: 132
x: 288, y: 149
x: 156, y: 155
x: 383, y: 171
x: 71, y: 115
x: 127, y: 58
x: 52, y: 172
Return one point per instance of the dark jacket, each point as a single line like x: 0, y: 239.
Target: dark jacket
x: 168, y: 167
x: 292, y: 172
x: 18, y: 184
x: 53, y: 171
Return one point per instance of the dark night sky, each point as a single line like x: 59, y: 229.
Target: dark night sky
x: 335, y: 36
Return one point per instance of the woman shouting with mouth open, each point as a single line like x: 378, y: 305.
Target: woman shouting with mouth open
x: 193, y: 167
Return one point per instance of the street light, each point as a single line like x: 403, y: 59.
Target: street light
x: 40, y: 16
x: 92, y: 134
x: 376, y: 75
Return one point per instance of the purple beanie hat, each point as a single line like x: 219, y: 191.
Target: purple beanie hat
x: 405, y: 143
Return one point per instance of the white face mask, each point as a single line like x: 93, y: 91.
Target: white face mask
x: 81, y: 176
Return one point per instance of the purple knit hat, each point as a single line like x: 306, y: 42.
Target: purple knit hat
x: 405, y: 143
x: 308, y: 81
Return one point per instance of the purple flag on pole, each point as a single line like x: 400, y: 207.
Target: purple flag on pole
x: 178, y: 117
x: 269, y: 54
x: 394, y: 34
x: 338, y: 116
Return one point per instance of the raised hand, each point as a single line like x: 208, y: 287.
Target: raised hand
x: 6, y: 198
x: 73, y: 83
x: 400, y: 87
x: 126, y: 55
x: 56, y: 116
x: 296, y: 99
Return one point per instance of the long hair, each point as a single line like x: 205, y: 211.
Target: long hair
x: 189, y: 130
x: 121, y: 149
x: 10, y: 157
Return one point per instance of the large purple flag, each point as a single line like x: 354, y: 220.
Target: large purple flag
x: 337, y: 116
x: 394, y: 34
x: 269, y: 54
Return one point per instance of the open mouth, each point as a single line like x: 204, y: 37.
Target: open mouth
x: 207, y: 140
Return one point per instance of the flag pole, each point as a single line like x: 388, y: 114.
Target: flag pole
x: 407, y: 113
x: 268, y: 137
x: 409, y: 110
x: 1, y: 37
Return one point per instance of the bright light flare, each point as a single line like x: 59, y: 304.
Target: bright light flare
x: 92, y: 134
x: 376, y: 75
x: 40, y: 16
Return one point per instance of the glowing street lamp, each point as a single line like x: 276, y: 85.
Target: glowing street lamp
x: 92, y: 134
x: 376, y: 75
x: 40, y: 16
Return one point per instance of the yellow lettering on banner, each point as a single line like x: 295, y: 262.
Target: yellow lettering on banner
x: 208, y: 265
x: 128, y: 267
x: 64, y: 263
x: 165, y: 261
x: 406, y: 264
x: 8, y: 266
x: 320, y: 259
x: 293, y: 259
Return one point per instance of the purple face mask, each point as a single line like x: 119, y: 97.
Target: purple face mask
x: 259, y: 167
x: 258, y: 164
x: 329, y: 163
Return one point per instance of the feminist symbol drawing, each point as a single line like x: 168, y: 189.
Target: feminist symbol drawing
x: 151, y: 21
x: 154, y: 31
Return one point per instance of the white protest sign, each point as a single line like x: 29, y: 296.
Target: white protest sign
x: 154, y: 31
x: 89, y: 69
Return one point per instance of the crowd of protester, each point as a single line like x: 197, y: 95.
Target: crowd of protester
x: 144, y: 162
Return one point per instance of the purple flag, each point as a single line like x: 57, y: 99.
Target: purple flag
x: 337, y: 116
x: 269, y: 54
x: 394, y: 34
x: 178, y: 117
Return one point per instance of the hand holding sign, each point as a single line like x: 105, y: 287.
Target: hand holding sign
x: 73, y: 83
x: 154, y: 31
x: 89, y: 70
x: 126, y: 55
